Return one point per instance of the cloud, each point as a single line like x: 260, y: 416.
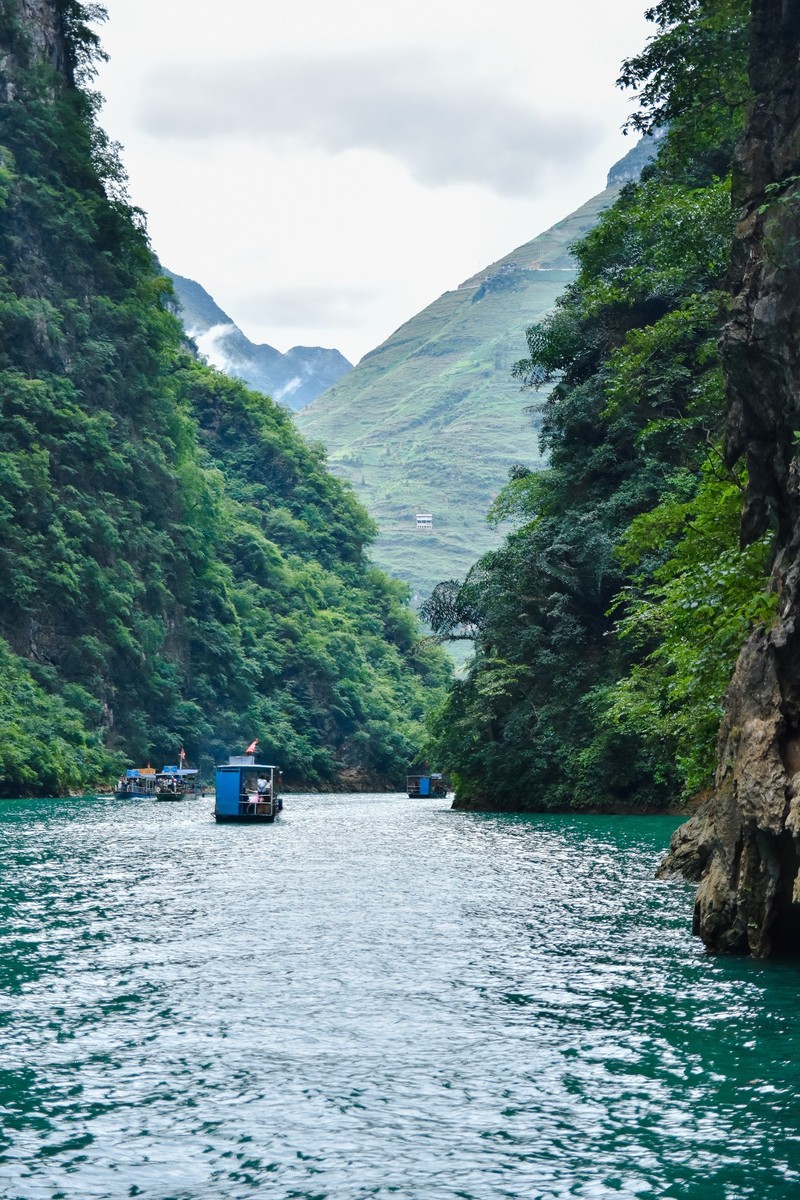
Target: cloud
x: 311, y: 307
x: 444, y: 123
x: 288, y: 389
x: 211, y: 344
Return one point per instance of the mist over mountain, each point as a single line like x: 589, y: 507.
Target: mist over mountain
x: 294, y: 378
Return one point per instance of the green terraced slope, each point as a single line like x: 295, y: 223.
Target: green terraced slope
x: 431, y: 420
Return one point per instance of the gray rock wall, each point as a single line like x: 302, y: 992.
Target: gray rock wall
x: 41, y: 24
x: 744, y: 845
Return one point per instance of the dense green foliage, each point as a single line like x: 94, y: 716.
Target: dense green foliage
x: 176, y: 564
x: 607, y: 625
x: 44, y: 741
x: 695, y: 608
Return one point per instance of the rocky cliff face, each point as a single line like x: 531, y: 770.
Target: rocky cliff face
x: 31, y: 31
x: 744, y: 846
x: 629, y: 168
x: 42, y: 21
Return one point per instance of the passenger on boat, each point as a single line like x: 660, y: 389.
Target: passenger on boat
x: 262, y: 794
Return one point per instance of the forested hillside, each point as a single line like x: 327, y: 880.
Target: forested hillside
x: 176, y: 565
x: 607, y: 625
x: 431, y: 420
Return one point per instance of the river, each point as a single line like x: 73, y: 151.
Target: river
x: 376, y: 997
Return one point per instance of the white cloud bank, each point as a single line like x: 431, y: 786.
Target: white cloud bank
x: 326, y: 170
x: 445, y: 123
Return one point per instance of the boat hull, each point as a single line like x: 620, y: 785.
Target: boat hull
x: 245, y: 818
x: 140, y: 794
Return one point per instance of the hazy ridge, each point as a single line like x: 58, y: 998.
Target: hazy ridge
x: 294, y: 378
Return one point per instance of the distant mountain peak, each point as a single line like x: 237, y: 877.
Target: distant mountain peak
x: 294, y: 378
x: 628, y: 168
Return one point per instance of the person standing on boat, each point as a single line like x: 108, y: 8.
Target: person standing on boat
x: 262, y: 794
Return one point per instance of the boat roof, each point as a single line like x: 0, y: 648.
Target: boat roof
x: 152, y: 773
x: 247, y: 766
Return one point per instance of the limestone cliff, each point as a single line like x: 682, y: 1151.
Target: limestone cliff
x: 744, y: 846
x: 34, y: 32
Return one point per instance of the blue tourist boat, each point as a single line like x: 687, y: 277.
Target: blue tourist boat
x: 176, y: 783
x: 247, y: 791
x: 145, y: 783
x: 431, y: 784
x: 139, y: 782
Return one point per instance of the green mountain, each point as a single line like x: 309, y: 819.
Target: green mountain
x: 432, y: 420
x: 176, y: 564
x: 606, y: 627
x: 294, y: 378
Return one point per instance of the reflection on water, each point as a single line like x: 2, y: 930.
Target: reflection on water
x: 376, y: 997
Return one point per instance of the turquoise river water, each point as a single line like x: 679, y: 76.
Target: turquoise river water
x: 376, y: 997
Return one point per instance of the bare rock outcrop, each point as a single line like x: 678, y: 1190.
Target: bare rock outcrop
x: 43, y: 21
x: 744, y: 845
x: 33, y: 34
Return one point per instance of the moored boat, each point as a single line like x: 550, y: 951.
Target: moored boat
x: 431, y: 784
x: 247, y: 791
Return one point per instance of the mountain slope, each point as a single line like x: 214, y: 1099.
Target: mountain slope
x: 431, y: 421
x: 294, y: 378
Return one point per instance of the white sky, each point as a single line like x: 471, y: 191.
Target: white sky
x: 326, y: 169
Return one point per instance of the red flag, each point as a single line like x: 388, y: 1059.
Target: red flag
x: 183, y: 755
x: 251, y: 749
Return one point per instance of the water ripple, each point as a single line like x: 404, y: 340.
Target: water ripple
x: 376, y: 997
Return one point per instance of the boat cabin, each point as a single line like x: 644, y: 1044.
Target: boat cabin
x: 247, y: 791
x: 433, y: 784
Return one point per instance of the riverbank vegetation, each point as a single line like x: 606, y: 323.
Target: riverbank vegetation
x: 607, y: 625
x: 177, y: 566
